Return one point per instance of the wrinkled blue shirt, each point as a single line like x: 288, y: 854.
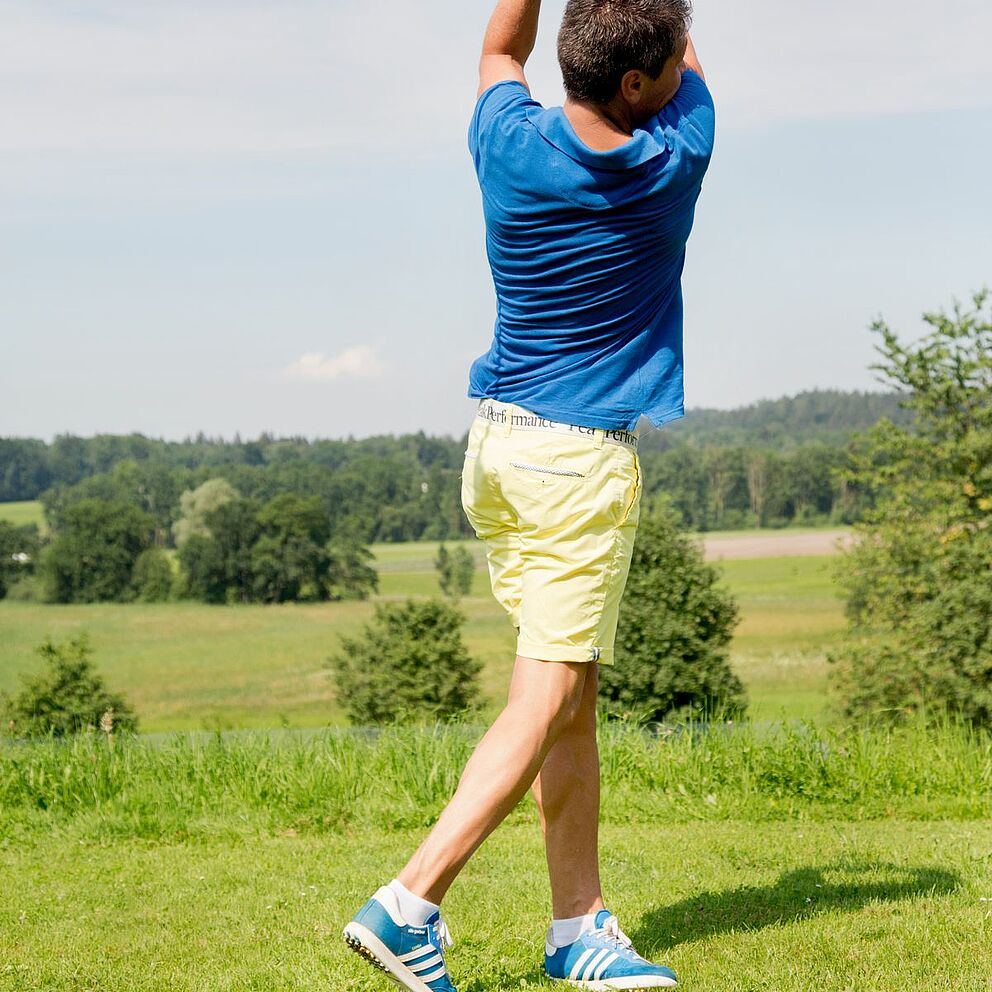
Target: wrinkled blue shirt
x: 586, y: 250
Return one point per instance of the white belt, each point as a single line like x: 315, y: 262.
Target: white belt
x: 516, y: 418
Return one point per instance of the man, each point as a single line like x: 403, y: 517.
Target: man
x: 588, y: 208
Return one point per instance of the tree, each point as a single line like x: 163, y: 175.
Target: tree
x: 675, y: 624
x: 152, y: 578
x: 409, y: 663
x: 919, y: 577
x: 349, y: 574
x: 289, y: 561
x: 757, y: 466
x: 195, y: 504
x: 94, y: 551
x: 454, y: 571
x: 24, y: 470
x: 66, y: 697
x: 204, y: 572
x: 219, y: 568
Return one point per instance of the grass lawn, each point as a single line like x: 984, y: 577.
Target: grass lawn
x: 233, y: 868
x: 27, y: 512
x: 791, y: 615
x: 732, y: 907
x: 190, y: 666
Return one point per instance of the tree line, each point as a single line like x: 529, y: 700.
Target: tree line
x: 767, y: 464
x: 277, y: 519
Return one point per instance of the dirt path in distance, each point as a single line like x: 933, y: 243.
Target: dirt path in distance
x: 776, y: 544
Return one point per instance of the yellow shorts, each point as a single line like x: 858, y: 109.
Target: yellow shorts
x: 557, y: 507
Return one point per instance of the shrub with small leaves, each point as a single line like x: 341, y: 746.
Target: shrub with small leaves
x: 66, y: 697
x: 409, y: 663
x: 454, y: 571
x: 675, y: 624
x: 919, y: 578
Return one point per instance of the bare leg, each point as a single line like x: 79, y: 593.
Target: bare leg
x: 567, y: 794
x: 544, y: 698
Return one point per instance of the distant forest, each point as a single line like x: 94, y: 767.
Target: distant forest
x: 825, y: 415
x: 773, y: 463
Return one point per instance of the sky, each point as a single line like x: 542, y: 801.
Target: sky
x: 237, y: 216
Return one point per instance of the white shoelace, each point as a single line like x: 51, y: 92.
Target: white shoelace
x: 443, y: 934
x: 610, y: 930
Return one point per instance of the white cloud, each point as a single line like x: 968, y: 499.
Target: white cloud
x: 360, y: 362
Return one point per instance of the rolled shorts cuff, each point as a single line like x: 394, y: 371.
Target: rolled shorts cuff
x: 564, y: 652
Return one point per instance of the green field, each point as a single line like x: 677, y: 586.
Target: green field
x: 192, y: 666
x: 836, y: 907
x: 18, y: 514
x: 745, y: 861
x: 748, y: 858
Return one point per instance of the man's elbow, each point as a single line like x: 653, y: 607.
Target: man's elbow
x: 496, y: 68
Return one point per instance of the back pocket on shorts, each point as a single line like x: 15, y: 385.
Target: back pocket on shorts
x: 556, y: 470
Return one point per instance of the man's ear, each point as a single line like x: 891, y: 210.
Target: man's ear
x: 632, y: 86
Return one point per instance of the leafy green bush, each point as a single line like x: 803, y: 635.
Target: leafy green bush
x: 919, y: 578
x: 409, y: 663
x: 454, y: 571
x: 66, y: 697
x: 675, y: 625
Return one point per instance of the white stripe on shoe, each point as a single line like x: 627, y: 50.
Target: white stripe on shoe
x: 578, y: 966
x: 604, y: 964
x: 427, y: 964
x: 361, y: 936
x: 594, y: 964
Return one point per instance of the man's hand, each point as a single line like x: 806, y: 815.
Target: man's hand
x: 509, y: 41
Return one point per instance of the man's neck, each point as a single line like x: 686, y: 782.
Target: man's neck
x: 602, y: 127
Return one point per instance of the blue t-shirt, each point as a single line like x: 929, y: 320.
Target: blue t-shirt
x: 586, y: 250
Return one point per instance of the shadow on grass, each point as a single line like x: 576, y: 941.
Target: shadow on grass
x: 795, y: 896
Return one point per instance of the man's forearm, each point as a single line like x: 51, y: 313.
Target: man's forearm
x: 512, y: 29
x: 691, y: 60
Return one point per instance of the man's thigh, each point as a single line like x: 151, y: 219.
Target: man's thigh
x: 577, y: 508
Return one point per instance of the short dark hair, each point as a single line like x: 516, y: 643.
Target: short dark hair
x: 601, y: 40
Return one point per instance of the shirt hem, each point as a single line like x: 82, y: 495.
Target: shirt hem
x: 676, y: 413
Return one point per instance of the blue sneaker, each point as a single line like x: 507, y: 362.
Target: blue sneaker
x: 604, y: 958
x: 413, y: 957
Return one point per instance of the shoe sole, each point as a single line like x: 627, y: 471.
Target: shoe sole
x: 615, y: 984
x: 368, y: 946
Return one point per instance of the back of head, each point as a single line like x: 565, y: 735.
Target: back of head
x: 600, y: 40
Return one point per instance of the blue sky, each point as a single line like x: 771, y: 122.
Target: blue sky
x: 243, y: 215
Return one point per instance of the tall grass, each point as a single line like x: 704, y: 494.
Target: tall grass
x: 401, y: 777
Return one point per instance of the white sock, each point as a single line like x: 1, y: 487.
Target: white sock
x: 416, y: 911
x: 566, y: 931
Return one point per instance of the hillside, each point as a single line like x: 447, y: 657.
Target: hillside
x: 825, y: 415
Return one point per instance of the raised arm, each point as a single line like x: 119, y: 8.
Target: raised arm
x: 690, y: 60
x: 509, y: 41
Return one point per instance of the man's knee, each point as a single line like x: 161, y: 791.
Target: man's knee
x: 552, y: 690
x: 566, y: 697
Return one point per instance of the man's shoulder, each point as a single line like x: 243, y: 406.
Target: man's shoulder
x: 505, y: 102
x: 500, y: 128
